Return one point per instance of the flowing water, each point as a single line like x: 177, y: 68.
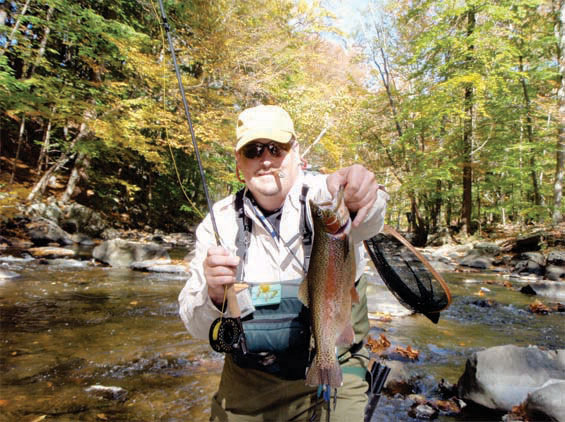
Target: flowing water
x: 69, y: 325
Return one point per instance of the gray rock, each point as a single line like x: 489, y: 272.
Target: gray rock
x: 475, y: 260
x: 423, y: 411
x: 556, y: 258
x: 122, y: 253
x: 50, y: 211
x: 43, y: 231
x: 487, y: 248
x: 554, y: 273
x: 530, y: 263
x: 548, y: 402
x: 501, y: 377
x: 85, y: 220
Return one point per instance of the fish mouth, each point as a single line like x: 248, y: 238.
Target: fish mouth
x: 334, y: 214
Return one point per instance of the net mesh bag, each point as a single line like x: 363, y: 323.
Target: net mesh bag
x: 407, y: 274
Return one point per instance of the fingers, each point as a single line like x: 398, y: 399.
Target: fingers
x: 220, y: 268
x: 360, y: 191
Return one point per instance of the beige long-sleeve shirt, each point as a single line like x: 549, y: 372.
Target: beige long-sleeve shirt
x: 267, y: 259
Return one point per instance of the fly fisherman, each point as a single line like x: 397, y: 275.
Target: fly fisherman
x: 266, y: 236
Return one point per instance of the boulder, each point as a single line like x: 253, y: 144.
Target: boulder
x: 530, y: 263
x: 501, y: 377
x: 487, y: 248
x: 50, y: 210
x: 83, y: 219
x: 554, y: 273
x: 122, y: 253
x: 547, y: 403
x: 42, y: 231
x: 474, y: 259
x: 556, y: 258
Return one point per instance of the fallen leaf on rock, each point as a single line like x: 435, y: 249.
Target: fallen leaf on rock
x: 448, y: 406
x: 407, y: 352
x: 378, y: 345
x: 537, y: 307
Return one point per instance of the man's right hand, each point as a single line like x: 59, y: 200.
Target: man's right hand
x: 220, y: 268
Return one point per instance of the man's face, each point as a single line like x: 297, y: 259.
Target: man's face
x: 269, y: 170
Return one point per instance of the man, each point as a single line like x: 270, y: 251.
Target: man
x: 272, y: 217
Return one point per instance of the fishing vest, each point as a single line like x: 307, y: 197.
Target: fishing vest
x: 278, y: 336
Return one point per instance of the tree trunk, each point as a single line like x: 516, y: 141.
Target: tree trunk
x: 530, y: 134
x: 40, y: 186
x: 560, y: 150
x: 43, y: 43
x: 81, y: 163
x: 18, y: 148
x: 467, y: 203
x: 44, y: 153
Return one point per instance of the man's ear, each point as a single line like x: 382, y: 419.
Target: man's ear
x: 242, y: 180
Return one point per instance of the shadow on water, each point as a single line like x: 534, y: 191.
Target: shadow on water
x: 70, y: 325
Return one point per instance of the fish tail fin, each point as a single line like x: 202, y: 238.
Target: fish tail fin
x: 324, y: 375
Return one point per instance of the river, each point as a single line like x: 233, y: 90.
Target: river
x: 69, y: 325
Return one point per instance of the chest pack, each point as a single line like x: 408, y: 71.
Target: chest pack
x: 277, y: 334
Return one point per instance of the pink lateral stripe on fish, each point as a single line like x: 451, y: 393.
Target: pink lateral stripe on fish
x: 329, y: 288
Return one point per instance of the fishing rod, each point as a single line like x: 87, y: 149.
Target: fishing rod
x: 226, y: 334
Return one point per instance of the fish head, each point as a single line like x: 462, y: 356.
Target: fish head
x: 332, y: 216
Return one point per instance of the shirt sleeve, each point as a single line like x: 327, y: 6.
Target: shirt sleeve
x: 195, y: 306
x: 374, y: 221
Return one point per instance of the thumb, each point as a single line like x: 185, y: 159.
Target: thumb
x: 335, y: 180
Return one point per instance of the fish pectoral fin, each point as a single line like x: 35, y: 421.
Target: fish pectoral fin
x: 303, y: 295
x: 346, y: 337
x: 354, y: 295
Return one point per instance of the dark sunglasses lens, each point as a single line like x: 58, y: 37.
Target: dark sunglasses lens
x: 274, y: 149
x: 255, y: 150
x: 252, y: 151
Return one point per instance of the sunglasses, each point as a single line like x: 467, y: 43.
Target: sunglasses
x: 255, y: 149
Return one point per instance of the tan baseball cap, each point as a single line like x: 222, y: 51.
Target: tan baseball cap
x: 264, y: 122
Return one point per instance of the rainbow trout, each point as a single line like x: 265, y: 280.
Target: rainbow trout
x: 329, y: 288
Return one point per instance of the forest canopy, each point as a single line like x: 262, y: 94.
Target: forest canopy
x: 458, y: 107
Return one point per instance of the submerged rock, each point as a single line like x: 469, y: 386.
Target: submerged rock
x: 107, y: 392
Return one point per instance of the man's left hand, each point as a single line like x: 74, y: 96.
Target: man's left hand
x: 361, y: 189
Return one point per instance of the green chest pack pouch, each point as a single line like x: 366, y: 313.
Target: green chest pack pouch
x: 278, y: 331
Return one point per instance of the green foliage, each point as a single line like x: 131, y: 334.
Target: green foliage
x: 105, y: 65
